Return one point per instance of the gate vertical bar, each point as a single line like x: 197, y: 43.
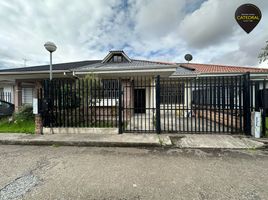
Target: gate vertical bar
x: 223, y: 104
x: 120, y: 122
x: 87, y: 102
x: 231, y: 103
x: 236, y: 104
x: 215, y: 103
x: 257, y: 90
x: 158, y: 125
x: 246, y: 104
x: 265, y: 106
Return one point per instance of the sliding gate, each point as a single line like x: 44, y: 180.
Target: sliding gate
x: 186, y: 105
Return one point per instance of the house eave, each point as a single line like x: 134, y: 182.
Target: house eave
x: 32, y: 72
x: 124, y: 71
x: 252, y: 74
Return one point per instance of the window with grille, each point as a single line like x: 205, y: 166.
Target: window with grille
x: 172, y: 93
x: 110, y: 89
x: 117, y: 58
x: 27, y: 96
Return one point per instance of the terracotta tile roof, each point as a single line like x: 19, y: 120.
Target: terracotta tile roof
x: 212, y: 68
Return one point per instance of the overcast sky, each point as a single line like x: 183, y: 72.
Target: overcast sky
x: 162, y: 30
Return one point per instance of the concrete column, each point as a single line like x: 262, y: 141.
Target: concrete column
x: 38, y: 124
x: 128, y: 99
x: 153, y: 92
x: 38, y: 117
x: 38, y: 86
x: 17, y: 95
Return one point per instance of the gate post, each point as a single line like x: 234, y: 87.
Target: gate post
x: 120, y: 122
x: 265, y: 106
x: 246, y: 104
x: 38, y: 117
x: 157, y: 101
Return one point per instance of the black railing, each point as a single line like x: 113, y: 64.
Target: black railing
x: 79, y: 103
x: 155, y: 104
x: 200, y: 105
x: 209, y: 106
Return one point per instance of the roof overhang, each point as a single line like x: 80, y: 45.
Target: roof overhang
x: 33, y: 72
x: 126, y: 71
x: 262, y: 75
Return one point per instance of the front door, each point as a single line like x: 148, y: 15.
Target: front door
x: 139, y: 100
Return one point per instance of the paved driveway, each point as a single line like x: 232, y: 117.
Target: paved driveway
x: 31, y: 172
x: 171, y: 122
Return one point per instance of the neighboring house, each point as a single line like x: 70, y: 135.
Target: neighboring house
x: 22, y: 82
x: 180, y: 90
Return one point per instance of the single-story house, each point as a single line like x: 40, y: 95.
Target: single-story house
x: 187, y: 90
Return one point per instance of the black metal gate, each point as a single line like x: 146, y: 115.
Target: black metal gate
x: 186, y: 105
x: 155, y: 105
x: 138, y: 105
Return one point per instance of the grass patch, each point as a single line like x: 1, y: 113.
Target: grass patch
x: 21, y: 122
x: 17, y: 126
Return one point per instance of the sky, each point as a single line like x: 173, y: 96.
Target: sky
x: 160, y: 30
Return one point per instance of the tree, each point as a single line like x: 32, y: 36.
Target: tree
x: 263, y: 56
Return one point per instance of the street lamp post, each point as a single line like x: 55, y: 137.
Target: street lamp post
x: 51, y: 47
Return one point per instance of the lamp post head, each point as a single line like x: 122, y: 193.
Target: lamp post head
x: 50, y: 46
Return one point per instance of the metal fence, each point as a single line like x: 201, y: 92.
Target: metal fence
x: 155, y: 104
x: 79, y: 103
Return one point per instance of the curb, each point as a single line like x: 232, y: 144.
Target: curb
x: 108, y: 144
x: 77, y: 143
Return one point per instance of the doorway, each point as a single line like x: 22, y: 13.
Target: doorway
x: 139, y: 101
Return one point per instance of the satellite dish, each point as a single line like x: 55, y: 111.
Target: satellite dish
x: 188, y: 57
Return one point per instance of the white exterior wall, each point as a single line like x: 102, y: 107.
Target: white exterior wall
x: 187, y: 98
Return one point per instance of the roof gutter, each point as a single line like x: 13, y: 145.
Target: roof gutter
x: 125, y: 71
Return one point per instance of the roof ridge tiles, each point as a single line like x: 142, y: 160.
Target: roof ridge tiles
x: 156, y: 62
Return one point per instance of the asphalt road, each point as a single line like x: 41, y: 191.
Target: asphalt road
x: 31, y: 172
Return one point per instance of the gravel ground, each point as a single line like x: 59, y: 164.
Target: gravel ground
x: 31, y: 172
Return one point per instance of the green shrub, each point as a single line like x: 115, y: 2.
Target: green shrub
x: 25, y: 113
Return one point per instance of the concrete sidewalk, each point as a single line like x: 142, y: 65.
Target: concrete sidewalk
x: 217, y: 141
x: 197, y: 141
